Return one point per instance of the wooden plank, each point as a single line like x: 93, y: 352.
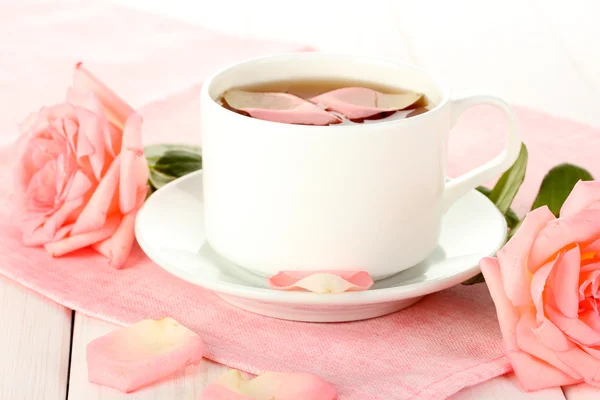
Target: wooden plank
x: 581, y: 392
x: 34, y: 345
x: 505, y: 387
x: 185, y: 385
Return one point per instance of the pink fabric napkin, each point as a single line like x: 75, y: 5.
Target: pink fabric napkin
x: 448, y: 341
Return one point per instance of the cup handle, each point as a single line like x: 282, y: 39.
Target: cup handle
x: 458, y: 187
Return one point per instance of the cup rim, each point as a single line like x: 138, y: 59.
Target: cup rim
x: 444, y: 90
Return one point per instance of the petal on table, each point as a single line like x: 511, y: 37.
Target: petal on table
x: 582, y: 228
x: 117, y: 110
x: 214, y: 391
x: 134, y: 168
x: 117, y: 247
x: 514, y: 255
x: 278, y: 107
x: 95, y: 212
x: 508, y: 316
x: 133, y: 357
x: 321, y: 281
x: 76, y: 242
x: 360, y: 103
x: 529, y: 342
x: 583, y: 195
x: 271, y: 385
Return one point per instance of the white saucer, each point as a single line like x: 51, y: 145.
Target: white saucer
x: 170, y: 229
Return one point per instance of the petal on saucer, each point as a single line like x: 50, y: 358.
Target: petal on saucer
x: 278, y: 107
x: 322, y: 281
x: 142, y: 353
x: 268, y: 386
x: 359, y: 102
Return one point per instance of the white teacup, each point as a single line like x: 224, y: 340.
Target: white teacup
x: 355, y: 197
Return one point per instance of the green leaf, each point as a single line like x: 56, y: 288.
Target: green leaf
x: 557, y: 186
x: 178, y: 163
x: 512, y: 219
x: 156, y: 151
x: 168, y: 162
x: 505, y: 190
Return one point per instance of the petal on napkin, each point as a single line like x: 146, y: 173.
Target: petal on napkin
x: 117, y: 247
x: 278, y: 107
x: 117, y: 110
x: 142, y: 353
x: 76, y: 242
x: 134, y: 167
x: 582, y: 228
x: 269, y: 386
x: 360, y: 103
x: 514, y: 255
x: 321, y: 281
x: 583, y: 195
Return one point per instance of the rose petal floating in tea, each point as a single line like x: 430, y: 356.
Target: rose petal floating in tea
x: 278, y: 107
x: 322, y: 281
x: 269, y: 386
x: 145, y: 352
x: 359, y: 103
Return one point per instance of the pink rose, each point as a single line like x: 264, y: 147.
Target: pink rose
x: 81, y: 173
x: 545, y: 285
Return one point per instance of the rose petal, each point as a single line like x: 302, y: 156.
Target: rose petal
x: 278, y: 107
x: 565, y: 284
x: 117, y: 247
x: 91, y: 127
x: 76, y: 242
x: 78, y: 186
x: 576, y: 329
x: 360, y: 103
x: 529, y: 342
x: 582, y: 362
x: 64, y: 212
x: 591, y: 319
x: 134, y: 167
x: 546, y: 332
x: 95, y: 212
x: 117, y: 110
x: 321, y: 281
x: 534, y: 374
x: 513, y: 256
x: 508, y: 317
x: 583, y: 195
x: 582, y: 228
x: 270, y: 386
x: 142, y: 353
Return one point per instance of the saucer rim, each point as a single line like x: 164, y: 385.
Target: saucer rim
x: 371, y: 296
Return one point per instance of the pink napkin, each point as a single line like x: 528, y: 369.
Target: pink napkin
x: 448, y: 341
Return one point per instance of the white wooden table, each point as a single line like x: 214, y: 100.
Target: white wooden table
x: 541, y: 54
